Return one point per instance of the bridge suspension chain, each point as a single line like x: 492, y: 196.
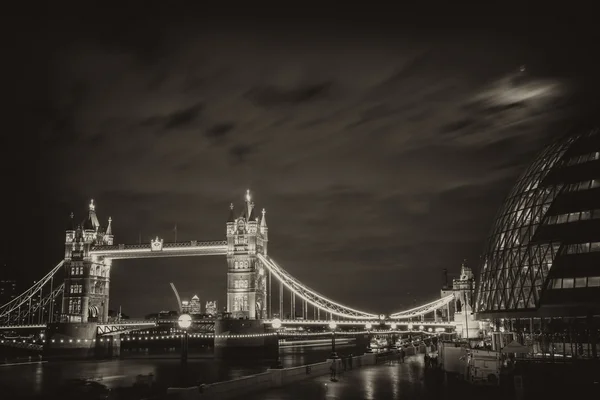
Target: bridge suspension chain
x: 43, y: 304
x: 22, y: 299
x: 312, y: 297
x: 424, y: 309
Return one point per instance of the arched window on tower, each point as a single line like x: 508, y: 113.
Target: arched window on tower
x: 235, y: 265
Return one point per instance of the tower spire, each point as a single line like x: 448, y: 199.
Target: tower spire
x: 263, y: 220
x: 109, y: 227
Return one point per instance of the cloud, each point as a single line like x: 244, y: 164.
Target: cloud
x: 378, y: 161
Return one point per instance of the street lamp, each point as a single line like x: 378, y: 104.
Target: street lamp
x: 368, y: 327
x: 184, y: 322
x: 276, y: 324
x: 332, y: 326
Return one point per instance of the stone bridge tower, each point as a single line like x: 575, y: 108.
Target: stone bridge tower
x: 247, y: 236
x: 85, y: 296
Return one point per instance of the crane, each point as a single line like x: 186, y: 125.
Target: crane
x: 178, y: 299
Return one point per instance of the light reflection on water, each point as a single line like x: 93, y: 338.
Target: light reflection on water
x: 44, y: 378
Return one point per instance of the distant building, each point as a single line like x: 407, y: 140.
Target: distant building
x: 211, y: 308
x: 195, y: 305
x: 8, y: 290
x: 185, y: 307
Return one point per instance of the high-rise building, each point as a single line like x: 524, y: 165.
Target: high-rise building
x: 8, y: 290
x: 211, y: 308
x: 185, y: 307
x: 195, y: 305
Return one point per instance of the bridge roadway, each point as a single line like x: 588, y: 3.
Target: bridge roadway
x: 139, y: 324
x: 180, y: 249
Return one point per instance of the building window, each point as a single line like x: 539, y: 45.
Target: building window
x: 240, y: 284
x: 235, y: 265
x: 556, y: 283
x: 74, y: 306
x: 240, y: 302
x: 567, y: 283
x: 593, y: 281
x: 76, y: 289
x: 580, y: 282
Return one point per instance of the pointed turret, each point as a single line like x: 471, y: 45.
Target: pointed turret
x: 248, y: 206
x: 108, y: 236
x: 263, y: 221
x: 109, y: 227
x: 251, y: 214
x: 91, y: 223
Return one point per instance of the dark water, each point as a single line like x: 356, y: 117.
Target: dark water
x: 45, y: 377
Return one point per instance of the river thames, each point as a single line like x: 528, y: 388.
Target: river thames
x: 21, y: 380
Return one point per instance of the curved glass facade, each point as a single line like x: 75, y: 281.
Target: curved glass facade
x: 527, y: 238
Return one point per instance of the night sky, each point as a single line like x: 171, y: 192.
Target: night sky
x: 380, y: 143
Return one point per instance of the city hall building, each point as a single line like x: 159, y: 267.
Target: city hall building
x: 540, y: 272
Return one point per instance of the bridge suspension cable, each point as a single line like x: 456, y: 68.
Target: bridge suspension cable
x: 35, y: 308
x: 312, y: 297
x: 424, y: 309
x: 22, y: 299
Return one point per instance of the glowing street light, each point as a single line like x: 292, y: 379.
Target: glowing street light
x: 276, y: 324
x: 332, y: 326
x: 394, y: 326
x: 184, y: 322
x: 368, y: 327
x: 410, y: 327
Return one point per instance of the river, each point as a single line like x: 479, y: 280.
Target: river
x: 43, y: 378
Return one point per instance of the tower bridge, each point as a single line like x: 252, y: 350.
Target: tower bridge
x: 256, y: 284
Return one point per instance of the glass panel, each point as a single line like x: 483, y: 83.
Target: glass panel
x: 595, y: 246
x: 567, y: 283
x: 584, y: 185
x: 586, y: 215
x: 595, y: 183
x: 562, y: 218
x: 580, y: 282
x: 593, y: 281
x: 552, y: 220
x: 556, y: 283
x: 573, y: 217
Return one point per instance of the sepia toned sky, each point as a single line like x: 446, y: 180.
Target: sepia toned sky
x: 380, y: 146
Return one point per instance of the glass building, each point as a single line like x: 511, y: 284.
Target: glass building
x: 540, y: 271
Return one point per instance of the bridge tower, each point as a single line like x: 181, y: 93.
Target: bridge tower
x: 85, y: 297
x: 247, y: 236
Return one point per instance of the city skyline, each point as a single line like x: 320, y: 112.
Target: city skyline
x: 380, y: 156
